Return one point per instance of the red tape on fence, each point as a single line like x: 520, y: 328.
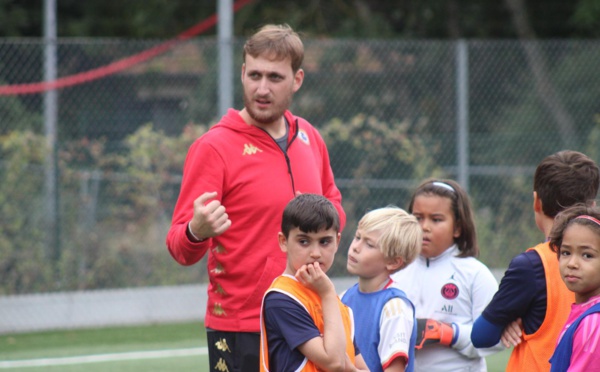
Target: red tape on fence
x: 120, y: 65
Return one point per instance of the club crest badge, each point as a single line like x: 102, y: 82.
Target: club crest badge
x: 450, y: 291
x: 303, y: 136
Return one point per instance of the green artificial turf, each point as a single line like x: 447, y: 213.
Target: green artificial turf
x: 100, y: 341
x: 114, y: 340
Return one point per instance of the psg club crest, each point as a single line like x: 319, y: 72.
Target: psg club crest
x: 450, y: 291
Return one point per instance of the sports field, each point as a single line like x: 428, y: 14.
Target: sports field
x: 165, y: 347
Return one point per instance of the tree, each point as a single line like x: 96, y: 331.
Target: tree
x: 537, y: 63
x: 408, y: 19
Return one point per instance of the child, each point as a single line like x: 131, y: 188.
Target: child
x: 575, y: 236
x: 447, y: 284
x: 531, y: 290
x: 386, y: 240
x: 304, y: 325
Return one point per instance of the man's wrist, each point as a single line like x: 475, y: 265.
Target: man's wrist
x: 193, y: 236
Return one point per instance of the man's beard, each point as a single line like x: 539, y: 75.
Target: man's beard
x: 269, y: 116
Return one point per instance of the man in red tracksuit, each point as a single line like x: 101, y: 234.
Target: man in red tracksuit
x: 237, y: 179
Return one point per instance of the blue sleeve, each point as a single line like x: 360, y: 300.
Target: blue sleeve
x: 484, y: 333
x: 521, y: 294
x: 287, y: 319
x: 517, y: 290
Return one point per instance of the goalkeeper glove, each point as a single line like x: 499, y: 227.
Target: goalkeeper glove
x: 430, y: 331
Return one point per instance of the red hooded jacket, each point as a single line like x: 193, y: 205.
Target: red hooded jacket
x: 254, y: 180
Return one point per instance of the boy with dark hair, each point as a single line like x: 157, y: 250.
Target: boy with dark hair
x: 532, y: 292
x: 304, y: 325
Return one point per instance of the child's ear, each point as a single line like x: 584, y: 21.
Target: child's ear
x: 457, y: 232
x: 282, y: 242
x: 394, y: 264
x: 338, y: 236
x: 537, y: 203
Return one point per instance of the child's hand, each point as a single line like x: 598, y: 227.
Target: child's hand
x: 313, y: 277
x: 511, y: 336
x: 349, y: 367
x: 431, y: 331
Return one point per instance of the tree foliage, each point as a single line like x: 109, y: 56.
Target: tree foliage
x: 406, y: 19
x: 21, y: 236
x: 116, y: 207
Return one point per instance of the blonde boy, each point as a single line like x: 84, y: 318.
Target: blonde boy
x: 386, y: 241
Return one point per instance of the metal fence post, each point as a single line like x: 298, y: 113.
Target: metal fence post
x: 50, y: 119
x: 462, y: 113
x: 225, y: 30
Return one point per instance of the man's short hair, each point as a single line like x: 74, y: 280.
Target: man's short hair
x: 276, y: 42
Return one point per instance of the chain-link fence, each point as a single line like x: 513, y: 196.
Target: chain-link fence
x: 392, y: 112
